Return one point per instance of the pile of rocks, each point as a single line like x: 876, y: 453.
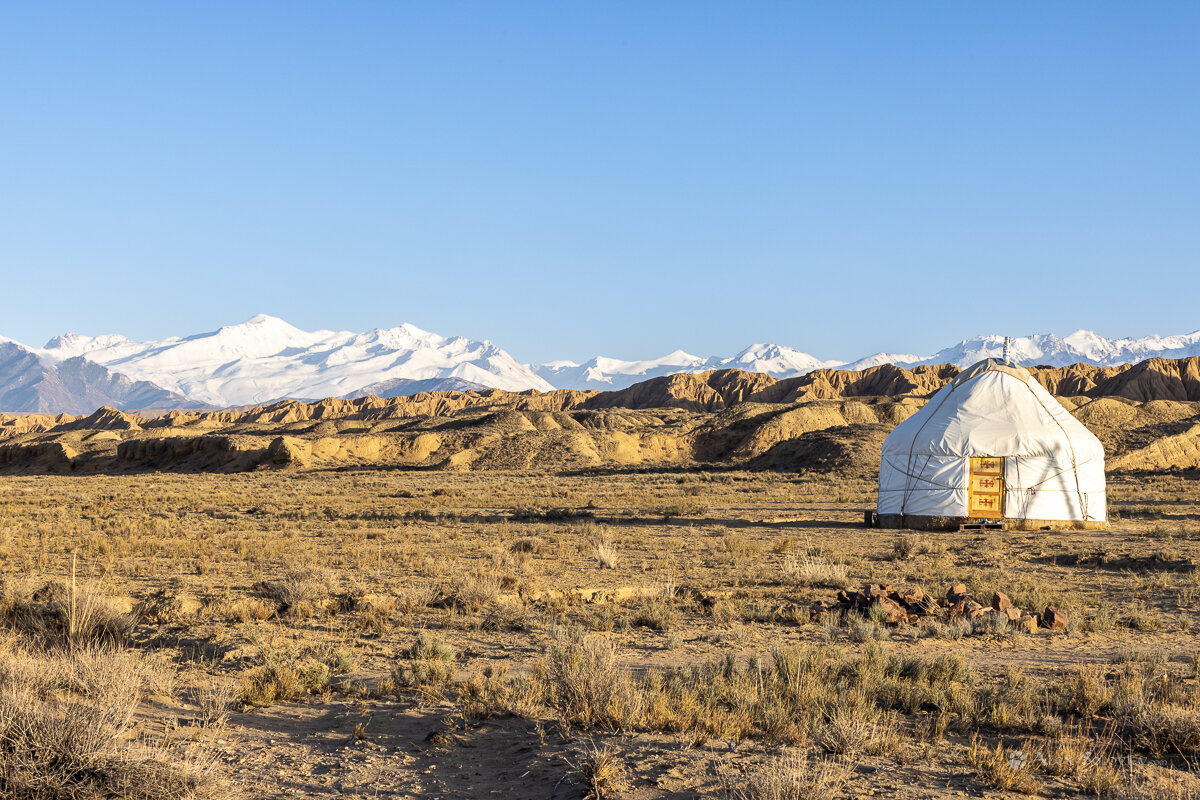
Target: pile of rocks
x: 911, y: 605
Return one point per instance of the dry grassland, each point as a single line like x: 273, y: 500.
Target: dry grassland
x: 413, y: 633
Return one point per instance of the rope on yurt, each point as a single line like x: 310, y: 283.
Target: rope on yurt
x: 920, y: 476
x: 1026, y: 492
x: 908, y: 476
x: 1080, y: 495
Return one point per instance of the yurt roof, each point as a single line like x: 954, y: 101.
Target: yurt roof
x: 992, y: 365
x: 985, y: 412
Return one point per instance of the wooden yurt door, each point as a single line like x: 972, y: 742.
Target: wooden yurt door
x: 985, y: 494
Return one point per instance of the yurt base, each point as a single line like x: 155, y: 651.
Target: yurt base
x: 924, y: 523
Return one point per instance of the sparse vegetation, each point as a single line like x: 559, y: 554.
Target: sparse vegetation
x: 481, y: 607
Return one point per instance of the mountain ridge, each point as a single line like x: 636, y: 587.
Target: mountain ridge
x: 1176, y: 380
x: 32, y: 383
x: 265, y: 359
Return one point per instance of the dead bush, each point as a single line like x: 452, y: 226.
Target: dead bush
x: 587, y: 685
x: 1006, y: 769
x: 812, y: 571
x: 300, y: 590
x: 528, y: 544
x: 65, y: 732
x: 63, y: 613
x: 791, y: 776
x: 215, y: 702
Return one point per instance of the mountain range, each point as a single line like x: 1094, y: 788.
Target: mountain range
x: 265, y: 359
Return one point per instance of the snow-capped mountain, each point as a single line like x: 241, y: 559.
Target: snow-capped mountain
x: 265, y: 358
x: 1047, y: 349
x: 786, y: 362
x: 612, y: 373
x: 609, y: 373
x: 30, y: 382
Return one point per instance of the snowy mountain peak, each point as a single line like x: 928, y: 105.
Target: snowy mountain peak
x: 266, y: 358
x: 69, y: 345
x: 260, y: 320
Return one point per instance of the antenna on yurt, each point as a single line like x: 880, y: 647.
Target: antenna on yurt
x: 1007, y: 344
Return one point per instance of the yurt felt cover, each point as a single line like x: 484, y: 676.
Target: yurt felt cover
x: 1053, y: 469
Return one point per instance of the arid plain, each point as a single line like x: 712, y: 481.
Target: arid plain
x: 531, y: 596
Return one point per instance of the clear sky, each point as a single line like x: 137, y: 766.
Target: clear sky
x: 620, y: 178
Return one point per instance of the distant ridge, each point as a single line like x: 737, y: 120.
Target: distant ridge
x: 29, y: 382
x: 265, y: 359
x: 403, y: 387
x: 716, y: 390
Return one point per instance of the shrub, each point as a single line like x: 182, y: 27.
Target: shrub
x: 300, y: 589
x: 62, y: 613
x: 215, y: 702
x: 587, y: 686
x: 65, y: 727
x: 656, y: 614
x: 427, y: 666
x: 1009, y: 770
x: 813, y: 571
x: 528, y: 544
x: 285, y: 675
x: 791, y: 776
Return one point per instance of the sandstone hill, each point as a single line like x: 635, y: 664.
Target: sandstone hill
x: 1147, y: 416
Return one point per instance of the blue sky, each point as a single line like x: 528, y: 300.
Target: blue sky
x: 572, y: 179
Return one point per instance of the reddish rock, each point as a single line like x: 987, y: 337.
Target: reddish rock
x: 1000, y: 601
x: 893, y: 611
x: 1054, y: 619
x: 1013, y: 613
x: 845, y: 597
x: 874, y: 590
x: 956, y: 592
x: 913, y: 619
x: 1027, y: 623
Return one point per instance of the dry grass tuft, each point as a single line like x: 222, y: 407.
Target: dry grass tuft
x: 300, y: 589
x: 791, y: 776
x: 604, y: 551
x: 850, y: 725
x: 907, y: 545
x: 588, y: 687
x: 61, y: 613
x: 813, y: 571
x: 1006, y: 769
x: 65, y: 723
x: 601, y: 766
x: 215, y: 703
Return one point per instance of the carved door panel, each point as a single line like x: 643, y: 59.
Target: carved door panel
x: 985, y: 494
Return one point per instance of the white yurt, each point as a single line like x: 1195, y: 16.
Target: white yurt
x: 992, y: 445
